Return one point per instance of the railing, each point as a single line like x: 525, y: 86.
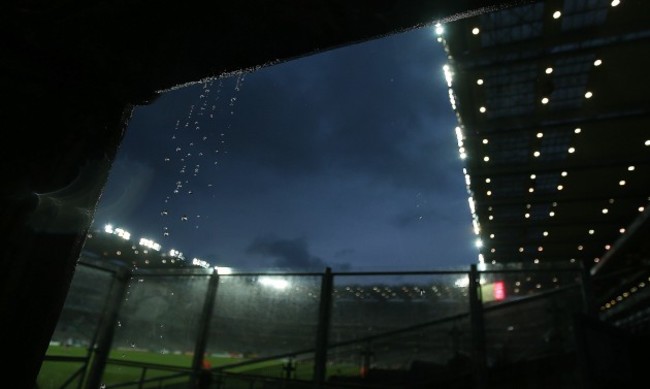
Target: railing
x: 329, y: 325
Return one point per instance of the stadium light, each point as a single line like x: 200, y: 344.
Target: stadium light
x: 223, y: 270
x: 439, y: 29
x: 449, y: 75
x: 149, y: 243
x: 200, y: 262
x: 122, y: 233
x: 276, y: 283
x: 176, y: 254
x: 462, y: 282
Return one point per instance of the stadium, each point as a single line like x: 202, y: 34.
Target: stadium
x: 551, y: 112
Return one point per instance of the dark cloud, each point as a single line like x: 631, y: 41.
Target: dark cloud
x: 344, y: 253
x: 343, y: 148
x: 377, y: 113
x: 286, y: 253
x: 418, y: 216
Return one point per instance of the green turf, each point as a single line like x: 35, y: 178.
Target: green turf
x: 54, y: 373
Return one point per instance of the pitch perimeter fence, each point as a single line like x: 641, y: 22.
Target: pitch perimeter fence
x: 170, y: 328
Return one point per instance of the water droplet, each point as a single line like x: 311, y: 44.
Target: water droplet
x: 164, y: 212
x: 178, y: 149
x: 119, y: 323
x: 189, y: 192
x: 132, y: 345
x: 205, y: 138
x: 184, y: 218
x: 166, y: 159
x: 165, y: 233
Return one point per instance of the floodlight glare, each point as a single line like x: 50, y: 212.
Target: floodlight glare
x: 222, y: 270
x: 276, y: 283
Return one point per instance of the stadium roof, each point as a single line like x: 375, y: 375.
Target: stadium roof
x: 552, y: 105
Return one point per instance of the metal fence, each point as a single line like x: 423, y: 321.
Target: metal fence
x: 168, y: 328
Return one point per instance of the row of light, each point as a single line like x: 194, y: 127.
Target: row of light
x: 579, y: 247
x: 552, y: 213
x: 122, y: 233
x: 530, y: 190
x: 545, y: 100
x: 623, y: 296
x: 448, y: 73
x: 449, y: 76
x: 388, y: 292
x: 538, y: 285
x: 175, y: 254
x: 281, y: 283
x: 556, y: 15
x: 533, y: 176
x: 483, y: 109
x: 150, y: 244
x: 564, y: 173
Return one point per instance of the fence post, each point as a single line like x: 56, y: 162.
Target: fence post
x: 478, y: 329
x: 106, y: 330
x: 204, y: 330
x: 322, y: 334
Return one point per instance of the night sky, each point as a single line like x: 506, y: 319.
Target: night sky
x: 345, y: 159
